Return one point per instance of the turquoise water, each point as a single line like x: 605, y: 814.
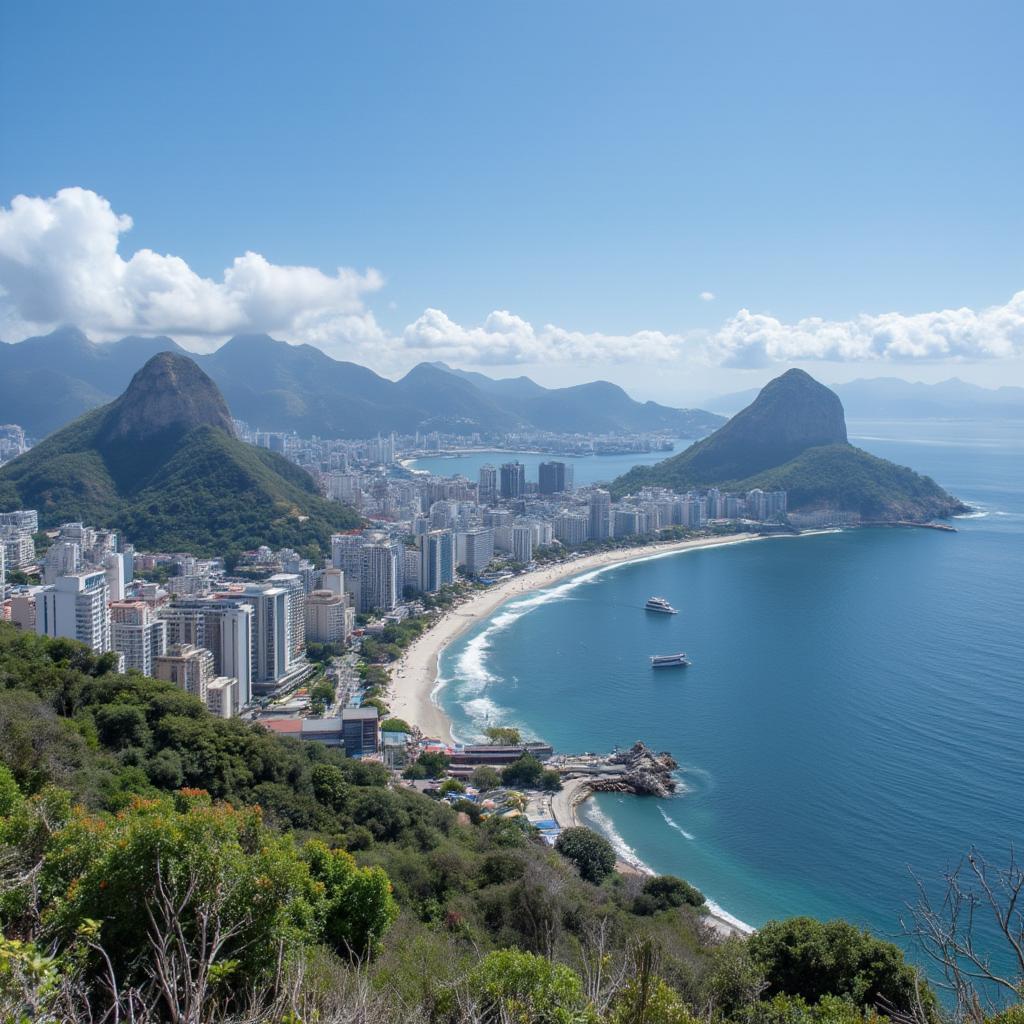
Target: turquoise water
x: 588, y: 469
x: 855, y: 705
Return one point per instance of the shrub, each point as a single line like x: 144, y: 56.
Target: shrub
x: 592, y: 854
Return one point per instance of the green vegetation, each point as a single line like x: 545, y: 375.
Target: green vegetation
x: 485, y: 778
x: 503, y: 735
x: 159, y: 864
x: 161, y: 464
x: 592, y: 854
x: 664, y: 892
x: 395, y: 725
x: 527, y: 772
x: 793, y: 438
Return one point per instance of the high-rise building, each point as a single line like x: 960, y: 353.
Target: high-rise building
x: 380, y: 590
x: 63, y: 558
x: 474, y: 549
x: 326, y: 617
x: 600, y: 515
x: 192, y: 668
x: 296, y: 587
x: 436, y: 563
x: 570, y: 527
x: 551, y: 478
x: 186, y: 666
x: 24, y: 520
x: 75, y: 606
x: 513, y: 480
x: 225, y: 627
x: 522, y: 543
x: 757, y: 507
x: 137, y: 634
x: 275, y: 662
x: 347, y: 555
x: 487, y: 488
x: 19, y: 548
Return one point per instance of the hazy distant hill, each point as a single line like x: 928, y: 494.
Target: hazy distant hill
x: 162, y: 463
x: 792, y: 437
x: 47, y: 381
x: 890, y: 398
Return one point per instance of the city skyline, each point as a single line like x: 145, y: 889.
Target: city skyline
x: 613, y: 194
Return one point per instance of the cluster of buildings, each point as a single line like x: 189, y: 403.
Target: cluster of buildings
x: 227, y: 641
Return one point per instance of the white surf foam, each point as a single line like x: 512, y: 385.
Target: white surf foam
x: 672, y: 823
x: 622, y: 849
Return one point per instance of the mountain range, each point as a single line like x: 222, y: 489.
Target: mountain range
x: 890, y: 398
x: 792, y: 437
x: 47, y: 381
x: 162, y: 463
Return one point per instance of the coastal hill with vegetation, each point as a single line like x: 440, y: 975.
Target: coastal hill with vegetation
x: 162, y: 463
x: 792, y: 438
x: 161, y: 864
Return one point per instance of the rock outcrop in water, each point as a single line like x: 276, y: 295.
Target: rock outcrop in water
x: 644, y: 773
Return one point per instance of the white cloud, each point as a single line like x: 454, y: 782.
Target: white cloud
x: 505, y: 339
x: 754, y: 339
x: 59, y: 263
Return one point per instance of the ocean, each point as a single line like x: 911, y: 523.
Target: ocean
x: 854, y: 713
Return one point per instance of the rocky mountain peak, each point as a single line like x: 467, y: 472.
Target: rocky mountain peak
x: 170, y: 395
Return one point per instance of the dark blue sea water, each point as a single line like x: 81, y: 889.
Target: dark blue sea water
x: 855, y: 707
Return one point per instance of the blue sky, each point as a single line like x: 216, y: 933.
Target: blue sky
x: 590, y: 166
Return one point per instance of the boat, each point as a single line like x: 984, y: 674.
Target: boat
x: 659, y: 604
x: 669, y: 660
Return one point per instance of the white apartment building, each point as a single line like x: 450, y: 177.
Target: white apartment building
x: 75, y: 606
x: 137, y: 634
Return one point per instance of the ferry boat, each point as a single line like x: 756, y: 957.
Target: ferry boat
x: 669, y: 660
x: 659, y: 604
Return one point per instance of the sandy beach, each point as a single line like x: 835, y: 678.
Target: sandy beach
x: 414, y: 675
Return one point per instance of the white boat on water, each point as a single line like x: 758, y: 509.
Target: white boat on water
x: 669, y: 660
x: 659, y: 604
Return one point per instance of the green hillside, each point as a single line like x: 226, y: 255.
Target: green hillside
x: 792, y: 437
x: 161, y: 464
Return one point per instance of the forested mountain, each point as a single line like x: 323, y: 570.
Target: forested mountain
x: 792, y: 437
x: 47, y: 381
x: 162, y: 463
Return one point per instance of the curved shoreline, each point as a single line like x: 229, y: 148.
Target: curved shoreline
x: 415, y: 676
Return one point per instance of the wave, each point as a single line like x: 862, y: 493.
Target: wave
x: 674, y: 824
x: 627, y: 854
x: 622, y: 849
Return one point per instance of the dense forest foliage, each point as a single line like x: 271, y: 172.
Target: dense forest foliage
x: 160, y: 864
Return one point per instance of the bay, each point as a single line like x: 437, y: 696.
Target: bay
x: 855, y: 707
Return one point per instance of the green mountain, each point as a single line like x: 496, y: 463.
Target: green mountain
x: 792, y: 437
x: 162, y: 463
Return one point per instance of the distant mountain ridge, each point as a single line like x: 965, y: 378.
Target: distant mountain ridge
x: 47, y: 381
x: 792, y: 437
x: 881, y: 398
x: 162, y: 463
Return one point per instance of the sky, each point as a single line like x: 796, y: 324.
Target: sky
x: 686, y: 198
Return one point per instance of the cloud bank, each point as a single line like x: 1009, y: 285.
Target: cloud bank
x: 60, y: 263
